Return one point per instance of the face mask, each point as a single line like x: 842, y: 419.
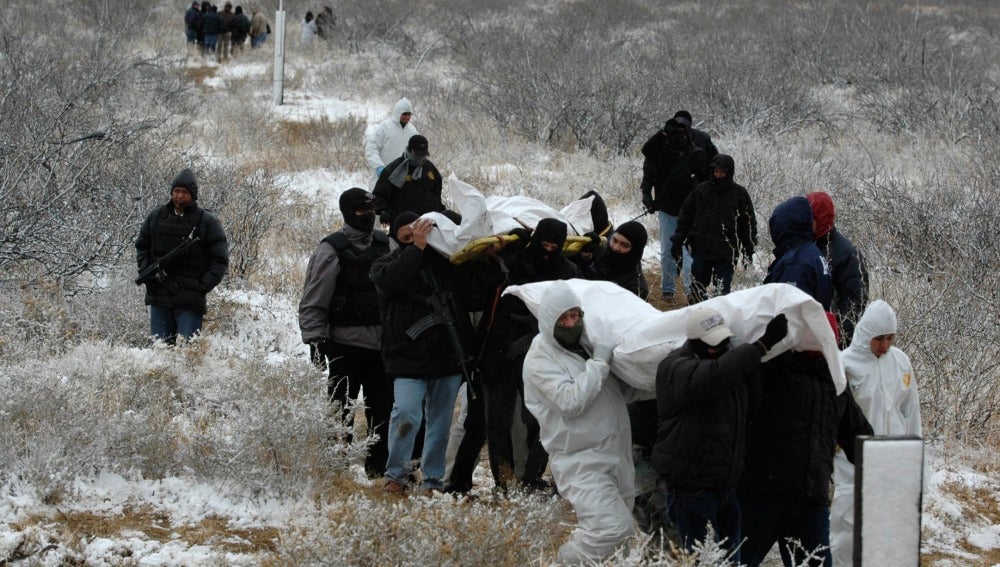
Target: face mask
x: 569, y: 337
x: 415, y: 159
x: 364, y: 223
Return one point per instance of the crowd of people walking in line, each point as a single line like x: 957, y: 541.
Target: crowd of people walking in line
x: 743, y: 449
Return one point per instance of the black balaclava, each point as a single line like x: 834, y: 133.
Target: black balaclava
x: 701, y: 348
x: 620, y: 263
x: 548, y: 230
x: 677, y: 134
x: 401, y: 220
x: 186, y: 179
x: 353, y: 200
x: 724, y: 162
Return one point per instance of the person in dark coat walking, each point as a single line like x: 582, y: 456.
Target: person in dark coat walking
x: 176, y: 296
x: 211, y: 27
x: 409, y: 183
x: 797, y: 259
x: 719, y: 225
x: 192, y: 20
x: 672, y: 167
x: 847, y: 266
x: 239, y: 30
x: 704, y: 391
x: 699, y: 138
x: 339, y: 319
x: 785, y: 490
x: 421, y: 359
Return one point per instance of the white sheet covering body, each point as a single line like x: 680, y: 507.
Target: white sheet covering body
x: 482, y: 216
x: 644, y: 335
x: 584, y: 427
x: 886, y: 391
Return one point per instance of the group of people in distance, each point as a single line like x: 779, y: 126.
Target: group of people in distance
x: 745, y: 446
x: 224, y: 33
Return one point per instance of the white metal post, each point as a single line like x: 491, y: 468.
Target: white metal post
x: 279, y: 54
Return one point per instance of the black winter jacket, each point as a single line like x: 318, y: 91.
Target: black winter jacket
x: 669, y: 176
x: 704, y: 141
x: 191, y: 275
x: 702, y: 407
x: 211, y: 24
x: 403, y: 279
x: 792, y: 437
x: 418, y: 196
x: 239, y: 27
x: 850, y: 281
x: 718, y: 221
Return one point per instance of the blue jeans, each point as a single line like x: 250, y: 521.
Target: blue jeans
x: 166, y: 323
x: 191, y: 34
x: 415, y: 398
x: 210, y: 41
x: 770, y: 518
x: 692, y: 510
x: 668, y: 268
x: 258, y: 40
x: 707, y: 271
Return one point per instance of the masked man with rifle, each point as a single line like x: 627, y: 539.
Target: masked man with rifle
x: 182, y: 254
x: 425, y: 324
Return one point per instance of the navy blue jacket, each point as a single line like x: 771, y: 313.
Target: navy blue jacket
x: 798, y: 261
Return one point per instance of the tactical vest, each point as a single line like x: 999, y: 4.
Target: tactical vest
x: 355, y: 301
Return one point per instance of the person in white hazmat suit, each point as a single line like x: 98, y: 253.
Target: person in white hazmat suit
x: 584, y: 425
x: 882, y: 382
x: 387, y: 140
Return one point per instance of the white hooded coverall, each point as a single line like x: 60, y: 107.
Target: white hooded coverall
x: 387, y: 140
x: 585, y: 429
x: 886, y: 391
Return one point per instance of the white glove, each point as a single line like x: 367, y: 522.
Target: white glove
x: 602, y: 351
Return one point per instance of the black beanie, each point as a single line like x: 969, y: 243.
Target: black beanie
x: 401, y: 220
x: 549, y: 230
x: 186, y: 179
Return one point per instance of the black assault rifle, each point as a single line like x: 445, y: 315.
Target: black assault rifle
x: 443, y: 307
x: 155, y: 271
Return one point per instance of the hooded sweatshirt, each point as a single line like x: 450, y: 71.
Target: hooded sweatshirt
x: 798, y: 260
x: 718, y: 220
x: 387, y: 141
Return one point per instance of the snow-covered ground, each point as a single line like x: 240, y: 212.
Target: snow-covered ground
x: 958, y: 528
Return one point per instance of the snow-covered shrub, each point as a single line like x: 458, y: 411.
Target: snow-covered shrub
x: 81, y: 140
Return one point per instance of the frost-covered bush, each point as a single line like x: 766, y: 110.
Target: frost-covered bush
x: 162, y: 411
x: 81, y: 140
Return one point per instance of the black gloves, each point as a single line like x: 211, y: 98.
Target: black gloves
x: 317, y: 353
x: 521, y: 233
x: 647, y: 201
x: 776, y: 330
x: 594, y: 244
x: 677, y: 250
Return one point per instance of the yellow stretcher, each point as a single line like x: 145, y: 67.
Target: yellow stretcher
x: 572, y: 246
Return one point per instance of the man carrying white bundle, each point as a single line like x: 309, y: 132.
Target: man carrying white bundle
x: 584, y: 427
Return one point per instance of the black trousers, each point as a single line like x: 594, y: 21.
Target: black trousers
x: 501, y: 389
x: 352, y: 367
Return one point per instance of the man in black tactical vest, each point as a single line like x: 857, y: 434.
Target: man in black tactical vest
x: 339, y: 318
